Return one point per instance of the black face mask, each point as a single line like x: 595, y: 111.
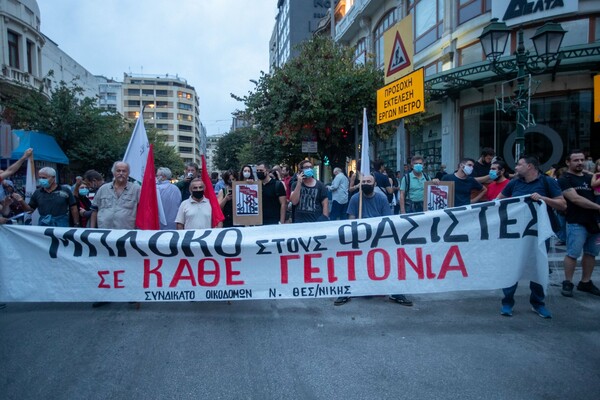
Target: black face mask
x: 261, y: 175
x: 367, y: 189
x: 198, y: 194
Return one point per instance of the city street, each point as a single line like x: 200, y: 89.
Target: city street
x: 450, y: 346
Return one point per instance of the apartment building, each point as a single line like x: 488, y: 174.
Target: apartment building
x: 170, y: 104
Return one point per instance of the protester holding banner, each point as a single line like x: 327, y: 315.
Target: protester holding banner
x: 195, y: 212
x: 115, y: 203
x: 309, y: 195
x: 374, y: 204
x: 529, y: 180
x: 464, y: 184
x: 53, y: 201
x: 583, y: 232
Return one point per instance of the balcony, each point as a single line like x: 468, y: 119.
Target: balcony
x: 349, y: 26
x: 20, y: 78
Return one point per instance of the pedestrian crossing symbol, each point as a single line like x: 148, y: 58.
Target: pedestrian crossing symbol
x: 399, y: 58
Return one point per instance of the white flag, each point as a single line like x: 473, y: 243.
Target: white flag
x: 30, y: 184
x: 365, y: 162
x: 136, y: 156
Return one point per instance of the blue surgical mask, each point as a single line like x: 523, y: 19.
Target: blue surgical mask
x: 493, y: 174
x: 468, y: 170
x: 418, y: 168
x: 84, y: 192
x: 43, y: 182
x: 308, y: 173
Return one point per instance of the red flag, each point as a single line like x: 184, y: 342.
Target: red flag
x: 209, y: 193
x: 147, y: 211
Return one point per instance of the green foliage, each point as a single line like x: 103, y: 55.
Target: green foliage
x: 318, y: 95
x: 164, y: 155
x: 92, y: 138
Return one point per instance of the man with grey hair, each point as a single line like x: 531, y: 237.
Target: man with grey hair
x: 115, y: 203
x: 170, y: 197
x: 339, y: 195
x: 53, y: 201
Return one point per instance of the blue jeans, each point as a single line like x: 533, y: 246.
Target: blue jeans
x: 536, y: 298
x: 338, y: 211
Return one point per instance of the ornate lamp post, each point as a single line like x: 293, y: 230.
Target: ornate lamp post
x: 546, y: 40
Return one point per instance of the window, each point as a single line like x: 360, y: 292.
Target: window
x: 469, y: 9
x: 162, y: 104
x: 360, y: 52
x: 162, y: 126
x: 13, y: 50
x: 162, y: 115
x: 184, y: 95
x: 471, y: 54
x: 147, y: 92
x: 429, y: 18
x: 184, y: 128
x: 133, y: 92
x: 133, y: 103
x: 162, y: 93
x: 185, y: 117
x: 185, y: 139
x: 183, y: 106
x: 30, y: 50
x: 386, y: 22
x: 185, y: 149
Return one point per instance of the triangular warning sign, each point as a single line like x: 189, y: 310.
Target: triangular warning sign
x: 399, y: 58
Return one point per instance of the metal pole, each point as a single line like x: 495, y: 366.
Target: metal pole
x: 522, y: 96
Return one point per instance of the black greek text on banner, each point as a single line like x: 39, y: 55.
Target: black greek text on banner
x: 479, y: 247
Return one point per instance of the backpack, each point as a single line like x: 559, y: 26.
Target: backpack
x: 407, y: 191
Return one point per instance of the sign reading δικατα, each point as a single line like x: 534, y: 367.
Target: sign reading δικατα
x: 401, y: 98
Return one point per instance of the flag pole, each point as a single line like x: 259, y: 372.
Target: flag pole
x: 365, y: 162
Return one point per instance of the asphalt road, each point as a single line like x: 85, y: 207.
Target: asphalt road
x: 448, y: 346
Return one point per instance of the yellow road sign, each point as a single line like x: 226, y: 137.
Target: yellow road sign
x: 398, y: 50
x: 401, y: 98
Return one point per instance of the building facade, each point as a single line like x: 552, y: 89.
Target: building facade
x: 470, y: 102
x: 295, y: 22
x: 212, y: 143
x: 169, y: 104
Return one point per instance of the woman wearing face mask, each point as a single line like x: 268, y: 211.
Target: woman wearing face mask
x: 246, y: 174
x: 464, y: 184
x: 225, y: 198
x: 84, y: 205
x: 498, y: 176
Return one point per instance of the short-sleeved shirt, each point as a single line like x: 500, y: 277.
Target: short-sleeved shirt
x: 383, y: 182
x: 495, y: 188
x: 375, y: 206
x: 415, y: 188
x: 170, y: 198
x: 583, y: 187
x: 481, y: 169
x: 116, y: 212
x: 309, y: 207
x: 463, y: 188
x: 195, y: 214
x: 55, y: 203
x: 519, y: 187
x: 271, y: 206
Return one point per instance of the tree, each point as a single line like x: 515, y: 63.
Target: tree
x: 90, y: 137
x: 319, y: 95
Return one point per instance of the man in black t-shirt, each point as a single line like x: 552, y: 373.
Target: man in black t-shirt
x: 582, y: 227
x: 481, y: 169
x: 309, y: 196
x: 274, y: 203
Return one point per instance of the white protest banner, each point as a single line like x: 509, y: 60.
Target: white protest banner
x: 479, y: 247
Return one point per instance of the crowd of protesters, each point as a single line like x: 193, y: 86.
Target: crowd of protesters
x: 572, y: 194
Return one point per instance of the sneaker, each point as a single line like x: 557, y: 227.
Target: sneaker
x: 588, y: 287
x: 401, y: 299
x: 341, y: 301
x: 506, y: 310
x: 542, y: 311
x: 567, y: 289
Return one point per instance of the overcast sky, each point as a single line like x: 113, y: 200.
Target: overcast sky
x: 216, y: 45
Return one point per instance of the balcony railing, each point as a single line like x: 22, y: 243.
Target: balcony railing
x: 26, y: 79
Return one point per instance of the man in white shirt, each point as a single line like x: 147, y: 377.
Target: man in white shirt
x: 195, y: 212
x: 339, y: 195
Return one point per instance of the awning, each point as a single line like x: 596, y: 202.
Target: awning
x: 44, y: 147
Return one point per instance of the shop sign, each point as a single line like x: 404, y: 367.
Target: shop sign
x: 515, y: 12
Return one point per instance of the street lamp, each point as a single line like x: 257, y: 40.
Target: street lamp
x: 546, y: 40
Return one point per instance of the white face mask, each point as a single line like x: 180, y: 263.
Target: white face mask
x: 468, y: 170
x: 246, y: 174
